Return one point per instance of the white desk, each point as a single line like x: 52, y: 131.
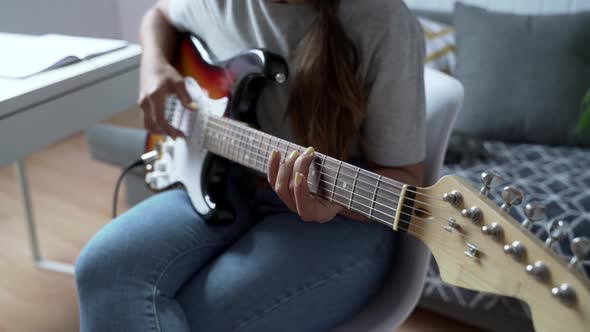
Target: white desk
x: 44, y: 109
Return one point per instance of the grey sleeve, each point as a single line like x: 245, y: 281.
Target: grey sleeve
x: 184, y: 13
x: 394, y: 127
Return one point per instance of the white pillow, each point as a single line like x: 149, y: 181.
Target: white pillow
x: 440, y: 45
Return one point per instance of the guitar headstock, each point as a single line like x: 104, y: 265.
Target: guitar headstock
x: 479, y: 245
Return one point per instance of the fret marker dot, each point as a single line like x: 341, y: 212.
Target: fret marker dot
x: 344, y: 185
x: 247, y: 157
x: 313, y: 173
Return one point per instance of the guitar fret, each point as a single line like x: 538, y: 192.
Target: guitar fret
x: 356, y: 177
x: 224, y: 145
x: 336, y: 181
x: 247, y: 143
x: 258, y: 153
x: 266, y: 151
x: 242, y: 139
x: 374, y: 199
x: 234, y: 143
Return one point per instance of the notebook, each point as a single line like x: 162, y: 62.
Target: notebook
x: 25, y: 55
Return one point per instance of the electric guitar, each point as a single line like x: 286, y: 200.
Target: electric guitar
x: 476, y: 244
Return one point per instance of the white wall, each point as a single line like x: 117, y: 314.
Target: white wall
x: 95, y: 18
x: 514, y: 6
x: 130, y: 14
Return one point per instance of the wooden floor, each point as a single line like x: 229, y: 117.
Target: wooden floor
x: 72, y: 198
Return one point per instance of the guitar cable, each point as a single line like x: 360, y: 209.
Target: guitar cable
x: 146, y: 159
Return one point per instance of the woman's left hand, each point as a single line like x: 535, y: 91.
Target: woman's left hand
x: 289, y: 181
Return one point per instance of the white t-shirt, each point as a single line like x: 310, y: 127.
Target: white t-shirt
x: 390, y: 44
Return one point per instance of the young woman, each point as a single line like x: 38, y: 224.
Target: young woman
x: 290, y: 261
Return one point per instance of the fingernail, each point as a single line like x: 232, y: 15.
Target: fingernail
x: 309, y: 151
x: 194, y: 105
x: 294, y: 154
x: 273, y: 154
x: 298, y: 178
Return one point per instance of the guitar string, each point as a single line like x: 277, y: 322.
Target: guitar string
x: 239, y: 125
x: 224, y: 124
x: 236, y: 159
x: 238, y: 128
x: 348, y: 191
x: 402, y: 225
x: 328, y: 175
x: 319, y: 155
x: 263, y: 163
x: 355, y: 209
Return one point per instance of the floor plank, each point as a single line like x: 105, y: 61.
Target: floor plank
x: 72, y: 198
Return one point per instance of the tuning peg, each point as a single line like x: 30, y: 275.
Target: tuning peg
x: 557, y: 230
x: 489, y: 179
x: 565, y: 293
x: 534, y: 211
x: 581, y: 249
x: 511, y: 196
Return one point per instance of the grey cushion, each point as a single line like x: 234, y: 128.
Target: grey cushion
x: 116, y: 145
x: 524, y: 76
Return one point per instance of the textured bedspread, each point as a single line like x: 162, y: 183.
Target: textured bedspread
x: 557, y: 176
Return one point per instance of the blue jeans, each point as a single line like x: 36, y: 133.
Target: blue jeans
x: 159, y: 267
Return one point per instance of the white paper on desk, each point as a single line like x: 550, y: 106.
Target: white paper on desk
x: 24, y: 55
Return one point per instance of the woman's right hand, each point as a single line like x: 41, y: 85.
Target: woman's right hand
x: 158, y: 81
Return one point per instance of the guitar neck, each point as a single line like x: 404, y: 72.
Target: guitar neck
x: 367, y: 193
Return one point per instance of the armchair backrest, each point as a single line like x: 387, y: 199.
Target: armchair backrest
x: 403, y: 286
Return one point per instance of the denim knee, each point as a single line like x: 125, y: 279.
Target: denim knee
x: 93, y: 268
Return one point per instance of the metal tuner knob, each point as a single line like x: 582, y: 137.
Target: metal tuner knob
x: 534, y: 211
x: 557, y: 230
x: 539, y: 270
x: 489, y: 179
x: 454, y: 198
x: 565, y: 293
x: 581, y: 248
x: 474, y: 213
x: 517, y: 250
x: 511, y: 196
x: 494, y: 231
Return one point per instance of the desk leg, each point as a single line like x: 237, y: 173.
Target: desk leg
x: 29, y: 217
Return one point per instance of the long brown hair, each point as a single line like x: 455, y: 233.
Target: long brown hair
x: 327, y: 101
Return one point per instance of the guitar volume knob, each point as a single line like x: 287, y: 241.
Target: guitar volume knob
x: 280, y: 78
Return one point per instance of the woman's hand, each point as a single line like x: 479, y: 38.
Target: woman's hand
x: 159, y: 80
x: 289, y: 181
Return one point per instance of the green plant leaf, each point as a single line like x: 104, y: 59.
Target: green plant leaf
x: 584, y: 123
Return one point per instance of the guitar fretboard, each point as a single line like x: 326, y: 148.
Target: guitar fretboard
x: 356, y: 189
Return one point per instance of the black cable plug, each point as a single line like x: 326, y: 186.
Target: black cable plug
x: 128, y: 169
